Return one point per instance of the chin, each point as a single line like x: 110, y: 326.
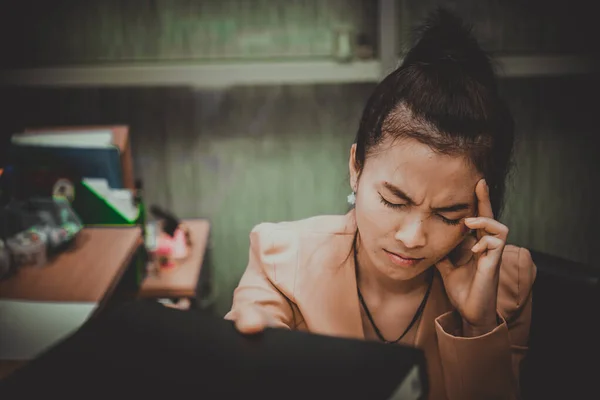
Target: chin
x: 399, y: 273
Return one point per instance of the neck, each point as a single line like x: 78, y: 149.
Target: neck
x: 372, y: 280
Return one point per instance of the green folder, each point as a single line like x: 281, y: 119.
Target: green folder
x: 97, y: 204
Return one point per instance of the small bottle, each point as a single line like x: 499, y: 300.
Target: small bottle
x: 141, y: 258
x: 342, y: 44
x: 138, y: 199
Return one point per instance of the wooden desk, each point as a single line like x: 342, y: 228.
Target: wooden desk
x: 86, y: 272
x: 182, y: 280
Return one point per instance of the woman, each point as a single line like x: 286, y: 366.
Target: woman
x: 421, y: 259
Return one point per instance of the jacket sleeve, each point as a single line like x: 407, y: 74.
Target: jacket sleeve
x: 264, y: 282
x: 487, y: 366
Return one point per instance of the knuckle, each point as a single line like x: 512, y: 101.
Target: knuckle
x: 498, y: 242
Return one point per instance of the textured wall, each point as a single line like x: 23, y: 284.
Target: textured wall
x: 522, y: 27
x: 555, y: 187
x: 75, y: 32
x: 41, y: 32
x: 253, y: 154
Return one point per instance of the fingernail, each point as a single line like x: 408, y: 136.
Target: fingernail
x: 487, y: 188
x: 470, y: 220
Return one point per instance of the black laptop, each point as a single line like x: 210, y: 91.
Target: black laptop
x: 147, y: 349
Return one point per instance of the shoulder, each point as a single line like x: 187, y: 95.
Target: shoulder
x: 517, y: 275
x: 323, y: 224
x: 282, y: 247
x: 283, y: 235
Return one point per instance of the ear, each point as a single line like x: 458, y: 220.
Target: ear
x: 352, y: 167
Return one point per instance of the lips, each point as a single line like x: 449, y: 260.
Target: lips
x: 402, y: 260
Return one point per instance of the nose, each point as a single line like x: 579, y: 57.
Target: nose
x: 412, y: 233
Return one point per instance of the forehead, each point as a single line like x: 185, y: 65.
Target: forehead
x: 419, y: 170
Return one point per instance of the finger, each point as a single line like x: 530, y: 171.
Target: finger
x: 250, y: 320
x: 488, y: 263
x: 488, y: 225
x: 484, y: 205
x: 488, y: 243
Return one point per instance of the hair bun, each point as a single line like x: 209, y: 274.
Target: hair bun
x: 444, y: 40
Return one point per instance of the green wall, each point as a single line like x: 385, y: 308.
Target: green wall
x: 245, y: 155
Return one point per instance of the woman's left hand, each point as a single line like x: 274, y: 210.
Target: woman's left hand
x: 472, y: 285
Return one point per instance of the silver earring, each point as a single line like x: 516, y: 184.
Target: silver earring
x: 352, y: 198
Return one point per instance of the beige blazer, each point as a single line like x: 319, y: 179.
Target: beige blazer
x: 303, y: 274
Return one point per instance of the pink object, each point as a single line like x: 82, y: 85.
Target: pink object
x: 163, y: 253
x: 169, y: 249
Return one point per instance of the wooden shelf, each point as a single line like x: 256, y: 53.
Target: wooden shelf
x: 199, y: 75
x: 219, y: 75
x: 544, y: 65
x: 393, y: 20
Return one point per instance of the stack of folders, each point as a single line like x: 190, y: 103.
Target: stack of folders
x: 89, y: 153
x: 84, y: 164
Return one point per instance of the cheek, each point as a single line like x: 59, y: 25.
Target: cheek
x: 373, y: 218
x: 443, y: 240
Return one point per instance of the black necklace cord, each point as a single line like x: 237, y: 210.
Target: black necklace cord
x: 370, y: 317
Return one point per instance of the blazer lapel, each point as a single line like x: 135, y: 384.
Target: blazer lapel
x: 332, y: 290
x: 329, y: 272
x: 351, y: 325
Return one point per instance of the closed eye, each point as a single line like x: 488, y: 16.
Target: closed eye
x: 449, y: 221
x: 390, y: 204
x: 397, y: 206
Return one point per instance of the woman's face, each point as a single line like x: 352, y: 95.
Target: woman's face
x: 410, y: 205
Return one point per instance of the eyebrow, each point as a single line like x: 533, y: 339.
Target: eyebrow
x: 402, y: 195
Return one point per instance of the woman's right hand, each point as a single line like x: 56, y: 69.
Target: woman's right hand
x: 250, y: 319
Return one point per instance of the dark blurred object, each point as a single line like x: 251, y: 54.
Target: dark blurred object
x: 38, y: 168
x: 364, y: 47
x: 29, y: 248
x: 5, y: 261
x: 3, y: 187
x: 155, y: 351
x: 19, y: 216
x: 30, y: 181
x: 171, y: 242
x: 170, y: 222
x: 138, y: 199
x: 563, y: 358
x: 120, y: 141
x: 37, y: 228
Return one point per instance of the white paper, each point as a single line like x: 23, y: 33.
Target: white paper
x: 410, y: 388
x: 27, y: 328
x: 80, y: 139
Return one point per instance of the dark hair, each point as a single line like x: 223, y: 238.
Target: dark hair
x: 444, y: 95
